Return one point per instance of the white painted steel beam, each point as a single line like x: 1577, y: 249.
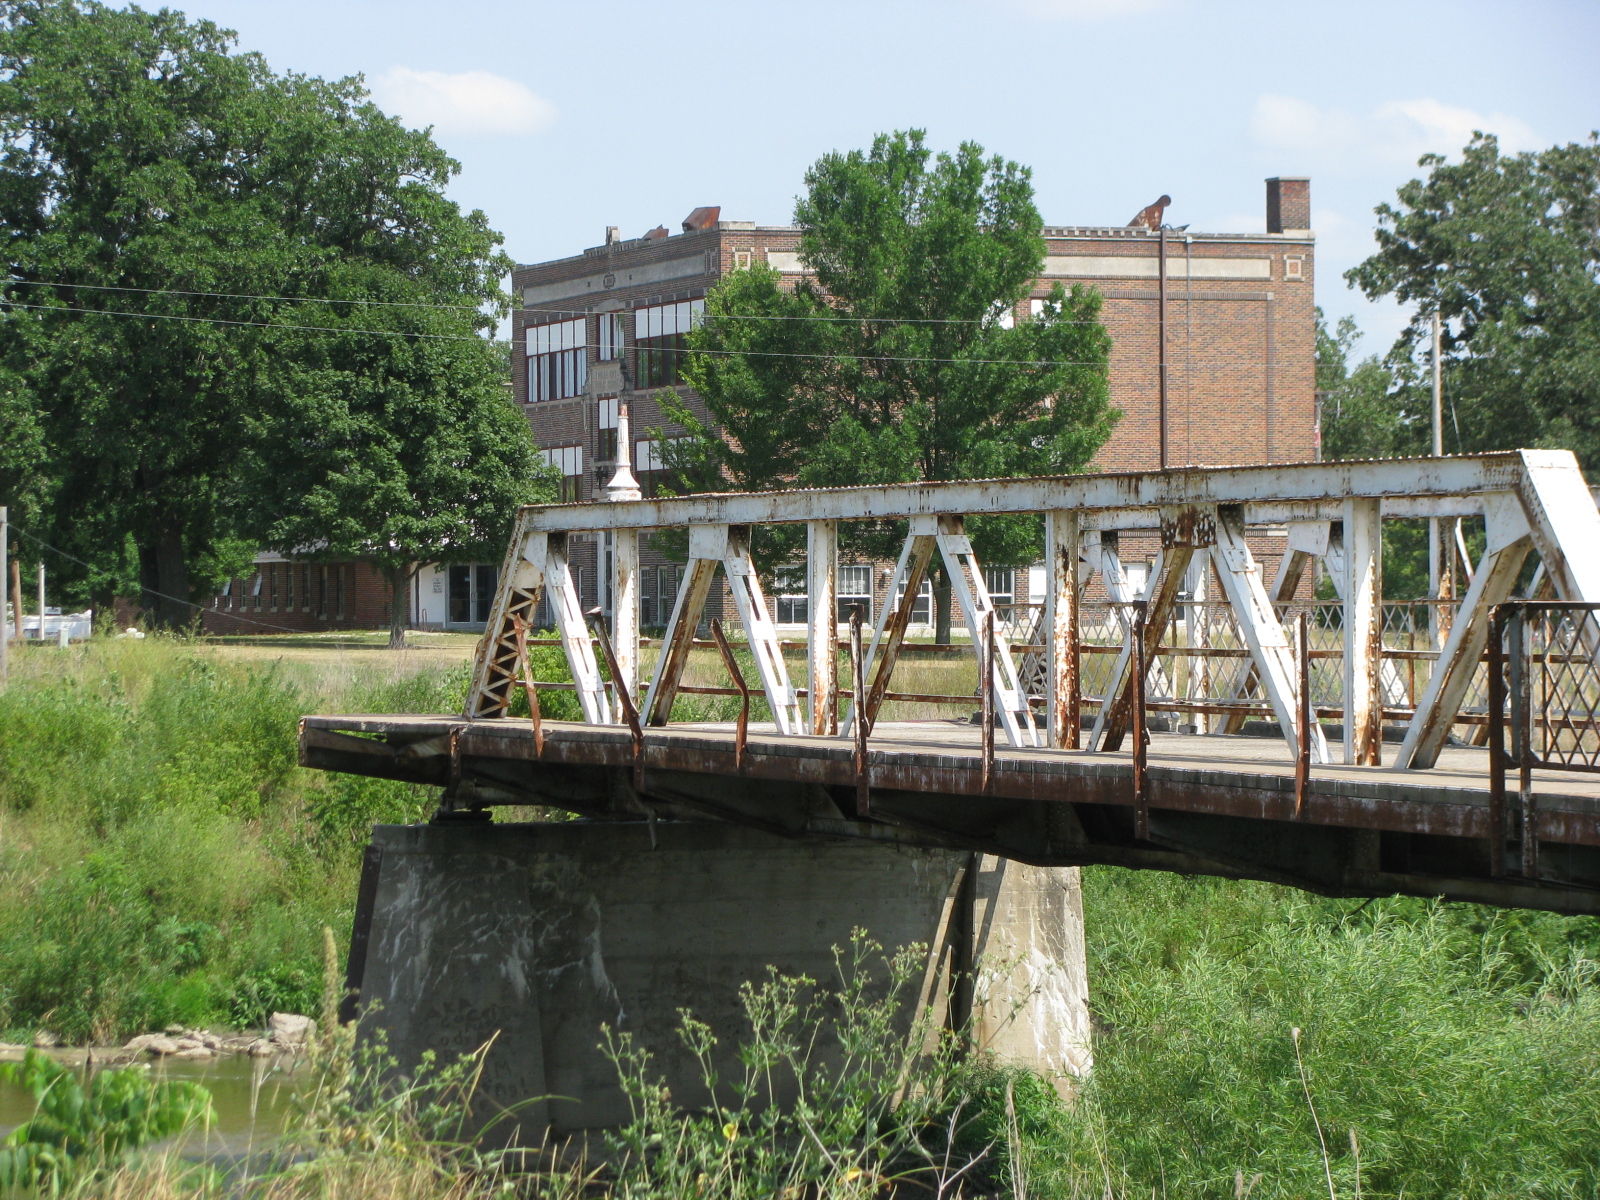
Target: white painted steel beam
x: 822, y: 552
x: 1263, y: 633
x: 760, y: 633
x: 1363, y: 633
x: 966, y: 583
x: 1281, y: 485
x: 1063, y: 600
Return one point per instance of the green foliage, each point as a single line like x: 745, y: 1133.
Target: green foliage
x: 162, y: 858
x: 84, y: 1127
x: 840, y: 1091
x: 163, y: 193
x: 1507, y: 249
x: 892, y: 361
x: 1459, y: 1047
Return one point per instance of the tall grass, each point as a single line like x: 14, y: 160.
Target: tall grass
x: 162, y: 858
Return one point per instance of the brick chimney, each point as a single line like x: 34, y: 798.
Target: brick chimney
x: 1289, y: 204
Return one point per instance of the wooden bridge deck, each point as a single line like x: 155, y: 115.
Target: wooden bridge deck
x: 1212, y: 805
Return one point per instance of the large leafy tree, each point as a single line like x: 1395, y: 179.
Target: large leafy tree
x: 160, y: 193
x: 898, y: 358
x: 1506, y: 248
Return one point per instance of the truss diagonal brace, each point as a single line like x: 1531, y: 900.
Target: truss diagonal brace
x: 1240, y: 577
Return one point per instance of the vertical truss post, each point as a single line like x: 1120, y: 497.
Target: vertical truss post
x: 966, y: 583
x: 1363, y: 633
x: 759, y: 631
x: 1263, y: 632
x: 1198, y: 626
x: 1497, y: 739
x: 822, y: 550
x: 858, y: 694
x: 986, y: 673
x: 1063, y: 692
x: 1522, y: 706
x: 1137, y: 718
x: 1507, y: 546
x: 625, y: 608
x: 1302, y: 757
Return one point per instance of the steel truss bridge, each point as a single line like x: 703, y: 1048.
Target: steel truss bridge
x: 1451, y: 754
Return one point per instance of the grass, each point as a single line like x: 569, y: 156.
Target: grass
x: 163, y: 859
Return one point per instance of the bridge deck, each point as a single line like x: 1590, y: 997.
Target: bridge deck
x: 1212, y: 805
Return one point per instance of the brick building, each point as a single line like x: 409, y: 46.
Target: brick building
x: 1212, y: 362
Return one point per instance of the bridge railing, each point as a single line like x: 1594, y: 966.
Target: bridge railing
x: 1220, y: 559
x: 1544, y: 705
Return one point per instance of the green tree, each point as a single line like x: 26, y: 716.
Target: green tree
x: 1366, y: 409
x: 897, y: 358
x: 159, y: 190
x: 407, y: 449
x: 1506, y: 248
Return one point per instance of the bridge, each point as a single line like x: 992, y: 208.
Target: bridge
x: 1208, y: 714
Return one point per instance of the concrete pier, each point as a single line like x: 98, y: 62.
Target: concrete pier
x: 538, y: 935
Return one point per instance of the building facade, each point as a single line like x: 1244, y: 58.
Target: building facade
x: 1212, y: 362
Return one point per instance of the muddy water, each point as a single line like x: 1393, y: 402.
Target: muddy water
x: 252, y: 1098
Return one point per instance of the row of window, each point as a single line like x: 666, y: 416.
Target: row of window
x: 853, y: 592
x: 558, y: 351
x: 283, y: 587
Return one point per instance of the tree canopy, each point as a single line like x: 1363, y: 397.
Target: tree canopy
x: 898, y: 356
x: 233, y: 295
x: 1506, y: 248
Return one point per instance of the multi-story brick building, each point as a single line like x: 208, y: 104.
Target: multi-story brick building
x: 1212, y: 362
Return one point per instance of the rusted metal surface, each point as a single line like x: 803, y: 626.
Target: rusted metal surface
x: 630, y: 714
x: 1302, y: 757
x: 530, y: 687
x: 1136, y: 715
x: 858, y: 700
x: 732, y: 665
x: 986, y: 687
x: 1441, y: 827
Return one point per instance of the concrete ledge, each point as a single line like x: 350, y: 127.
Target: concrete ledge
x: 537, y: 935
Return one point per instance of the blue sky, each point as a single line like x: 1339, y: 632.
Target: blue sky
x: 570, y: 117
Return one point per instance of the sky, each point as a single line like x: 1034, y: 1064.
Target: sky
x: 570, y: 117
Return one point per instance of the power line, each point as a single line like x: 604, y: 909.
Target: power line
x: 106, y: 287
x: 453, y: 337
x: 541, y: 310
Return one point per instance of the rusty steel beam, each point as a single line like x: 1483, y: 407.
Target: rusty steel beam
x: 1283, y: 485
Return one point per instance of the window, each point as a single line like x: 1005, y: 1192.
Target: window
x: 658, y: 589
x: 611, y: 328
x: 1001, y: 583
x: 790, y: 603
x: 557, y: 360
x: 606, y: 435
x: 569, y: 461
x: 660, y: 338
x: 655, y: 479
x: 255, y: 591
x: 922, y: 609
x: 853, y: 590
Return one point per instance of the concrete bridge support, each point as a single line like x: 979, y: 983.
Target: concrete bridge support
x: 537, y: 935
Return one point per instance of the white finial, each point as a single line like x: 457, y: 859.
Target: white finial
x: 623, y: 485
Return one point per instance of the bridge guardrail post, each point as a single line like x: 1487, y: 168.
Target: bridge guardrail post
x: 1502, y: 617
x: 1140, y: 731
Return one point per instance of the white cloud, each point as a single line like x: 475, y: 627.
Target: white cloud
x: 1398, y: 131
x: 465, y: 104
x: 1091, y: 10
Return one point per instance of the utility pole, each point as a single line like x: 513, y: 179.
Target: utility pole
x: 41, y: 599
x: 5, y: 583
